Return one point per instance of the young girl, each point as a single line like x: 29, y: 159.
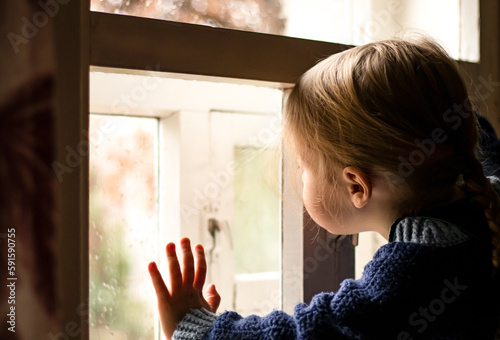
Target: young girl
x: 386, y: 137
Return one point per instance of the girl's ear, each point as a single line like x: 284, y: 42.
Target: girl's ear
x: 359, y: 186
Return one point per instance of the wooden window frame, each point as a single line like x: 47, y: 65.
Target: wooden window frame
x: 136, y: 44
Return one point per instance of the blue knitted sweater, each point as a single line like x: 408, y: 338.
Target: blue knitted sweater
x: 433, y: 280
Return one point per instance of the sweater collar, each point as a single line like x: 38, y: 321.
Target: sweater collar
x: 443, y: 226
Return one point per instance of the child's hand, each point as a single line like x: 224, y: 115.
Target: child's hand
x: 185, y: 291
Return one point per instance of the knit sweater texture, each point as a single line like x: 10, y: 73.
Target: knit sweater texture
x: 432, y: 280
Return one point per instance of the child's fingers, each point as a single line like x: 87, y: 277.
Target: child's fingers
x: 160, y: 287
x: 201, y: 267
x: 187, y: 262
x: 213, y: 298
x: 174, y: 268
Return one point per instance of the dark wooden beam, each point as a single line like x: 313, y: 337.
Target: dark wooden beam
x: 139, y: 43
x: 71, y: 31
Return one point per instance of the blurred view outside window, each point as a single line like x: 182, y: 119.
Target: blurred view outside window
x: 171, y: 158
x: 354, y: 22
x: 123, y: 226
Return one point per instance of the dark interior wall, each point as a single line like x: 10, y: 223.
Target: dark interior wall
x: 487, y: 79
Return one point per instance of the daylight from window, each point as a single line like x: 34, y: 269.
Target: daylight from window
x: 123, y: 228
x: 172, y: 158
x: 354, y: 22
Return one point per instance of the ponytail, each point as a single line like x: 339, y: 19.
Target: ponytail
x: 483, y: 191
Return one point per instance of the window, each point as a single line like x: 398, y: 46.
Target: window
x: 123, y: 228
x: 193, y: 121
x: 201, y: 167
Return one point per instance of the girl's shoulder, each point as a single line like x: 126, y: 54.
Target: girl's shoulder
x: 428, y: 245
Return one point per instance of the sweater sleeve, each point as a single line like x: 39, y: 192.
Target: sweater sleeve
x: 346, y: 314
x: 201, y: 324
x: 313, y: 321
x: 194, y: 325
x: 402, y: 277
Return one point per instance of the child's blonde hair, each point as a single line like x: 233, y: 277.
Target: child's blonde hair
x: 399, y: 111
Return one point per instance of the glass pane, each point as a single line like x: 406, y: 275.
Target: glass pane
x: 256, y: 209
x: 352, y: 22
x: 218, y: 177
x: 248, y: 211
x: 123, y: 226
